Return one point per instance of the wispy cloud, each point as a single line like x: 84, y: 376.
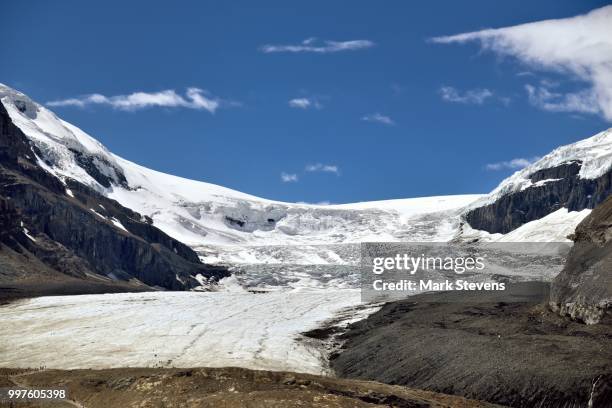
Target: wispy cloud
x: 289, y: 177
x: 397, y: 88
x: 305, y: 103
x: 378, y: 118
x: 515, y: 164
x: 545, y: 98
x: 195, y: 98
x: 313, y: 45
x: 471, y: 96
x: 580, y: 46
x: 325, y: 168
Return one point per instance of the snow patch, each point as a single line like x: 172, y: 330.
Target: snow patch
x: 543, y: 182
x: 27, y: 234
x: 554, y: 227
x: 97, y: 213
x: 118, y: 224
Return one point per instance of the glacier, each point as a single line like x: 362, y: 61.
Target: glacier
x: 171, y: 329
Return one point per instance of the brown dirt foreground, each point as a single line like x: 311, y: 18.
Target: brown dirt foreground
x: 219, y: 388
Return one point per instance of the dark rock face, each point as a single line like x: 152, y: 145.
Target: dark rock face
x: 566, y: 190
x: 566, y: 170
x: 583, y: 290
x: 9, y: 223
x: 82, y: 234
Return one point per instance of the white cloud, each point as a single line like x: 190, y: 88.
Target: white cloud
x: 289, y: 177
x: 378, y: 118
x: 471, y: 96
x: 195, y: 98
x: 305, y: 103
x: 505, y: 100
x: 310, y: 45
x: 544, y: 98
x: 580, y: 46
x: 515, y: 164
x: 320, y: 167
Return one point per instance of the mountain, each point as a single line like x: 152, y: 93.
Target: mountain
x: 572, y: 178
x: 67, y: 235
x: 543, y: 202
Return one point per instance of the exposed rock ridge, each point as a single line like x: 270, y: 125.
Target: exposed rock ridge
x: 553, y: 188
x: 583, y: 290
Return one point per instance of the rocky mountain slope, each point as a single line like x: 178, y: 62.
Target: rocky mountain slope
x: 65, y: 230
x: 512, y: 353
x: 583, y: 290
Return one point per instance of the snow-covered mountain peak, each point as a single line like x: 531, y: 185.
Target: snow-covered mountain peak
x: 46, y: 125
x: 22, y: 102
x: 594, y: 155
x: 65, y: 150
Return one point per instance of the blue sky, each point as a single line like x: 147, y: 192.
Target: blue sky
x: 311, y: 101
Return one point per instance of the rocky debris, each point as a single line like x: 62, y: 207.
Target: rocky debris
x: 226, y: 387
x: 583, y: 290
x: 553, y: 188
x: 53, y: 229
x: 514, y: 354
